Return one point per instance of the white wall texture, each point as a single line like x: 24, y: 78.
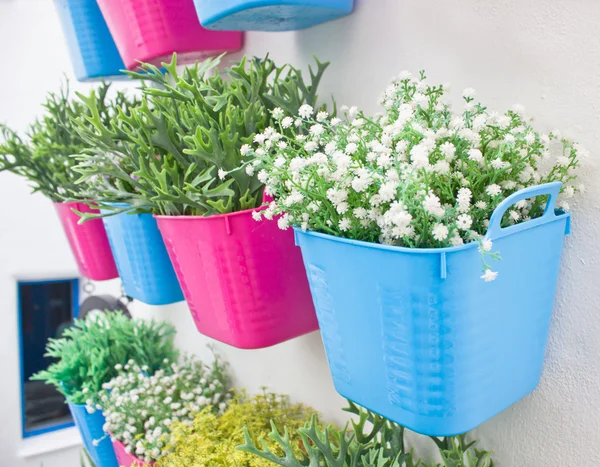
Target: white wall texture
x: 540, y: 53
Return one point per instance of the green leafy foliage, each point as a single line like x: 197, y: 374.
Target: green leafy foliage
x: 91, y: 352
x: 44, y: 156
x: 372, y: 441
x: 168, y: 154
x: 211, y: 439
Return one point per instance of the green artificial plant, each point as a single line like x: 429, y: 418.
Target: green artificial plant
x: 169, y: 154
x: 44, y: 156
x: 92, y: 351
x: 373, y: 441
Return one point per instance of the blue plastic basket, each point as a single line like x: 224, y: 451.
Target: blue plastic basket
x: 142, y: 259
x: 269, y: 15
x: 417, y: 336
x: 90, y: 427
x: 93, y: 51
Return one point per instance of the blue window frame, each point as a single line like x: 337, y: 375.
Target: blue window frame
x: 45, y: 309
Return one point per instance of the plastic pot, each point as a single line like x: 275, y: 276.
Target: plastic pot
x: 92, y: 49
x: 142, y: 259
x: 269, y: 15
x: 127, y: 459
x: 417, y: 336
x: 96, y: 442
x: 88, y: 242
x: 243, y: 280
x: 151, y: 30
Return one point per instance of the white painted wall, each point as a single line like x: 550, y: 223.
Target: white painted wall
x: 542, y: 54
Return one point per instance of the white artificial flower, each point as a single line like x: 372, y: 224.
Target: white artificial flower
x: 245, y: 149
x: 419, y: 156
x: 440, y: 232
x: 486, y: 245
x: 317, y: 129
x: 256, y: 215
x: 250, y: 170
x: 277, y: 113
x: 404, y: 75
x: 448, y: 150
x: 351, y: 148
x: 305, y: 111
x: 441, y: 167
x: 464, y: 199
x: 468, y: 93
x: 493, y: 190
x: 530, y: 138
x: 489, y: 275
x: 456, y: 240
x: 432, y: 205
x: 287, y: 122
x: 464, y: 222
x: 387, y: 191
x: 311, y: 146
x: 344, y: 224
x: 335, y: 121
x: 499, y: 164
x: 322, y: 116
x: 475, y: 155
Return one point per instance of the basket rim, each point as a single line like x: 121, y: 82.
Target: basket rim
x: 564, y: 216
x: 214, y: 216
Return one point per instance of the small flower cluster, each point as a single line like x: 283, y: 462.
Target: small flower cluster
x: 140, y: 408
x: 417, y: 175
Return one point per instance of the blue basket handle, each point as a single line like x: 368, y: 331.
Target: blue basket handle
x: 495, y: 230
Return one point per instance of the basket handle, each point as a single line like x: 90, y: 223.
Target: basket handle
x: 495, y: 230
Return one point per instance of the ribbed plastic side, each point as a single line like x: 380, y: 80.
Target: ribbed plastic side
x: 418, y: 337
x: 243, y: 280
x: 142, y: 259
x: 88, y: 242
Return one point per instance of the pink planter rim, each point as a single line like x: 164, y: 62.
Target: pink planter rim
x: 214, y: 216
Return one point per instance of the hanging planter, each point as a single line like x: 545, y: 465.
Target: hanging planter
x: 93, y: 51
x: 269, y: 15
x: 152, y: 30
x: 142, y: 260
x: 243, y: 281
x: 416, y: 336
x: 88, y: 241
x: 96, y: 442
x: 127, y: 459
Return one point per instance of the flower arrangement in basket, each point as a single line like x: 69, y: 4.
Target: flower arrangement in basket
x: 417, y: 176
x: 173, y: 150
x: 44, y: 156
x: 212, y: 439
x: 88, y: 356
x: 140, y: 407
x: 44, y: 159
x: 395, y: 215
x: 371, y: 441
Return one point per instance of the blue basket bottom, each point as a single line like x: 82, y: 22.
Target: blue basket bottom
x: 458, y: 424
x: 274, y: 18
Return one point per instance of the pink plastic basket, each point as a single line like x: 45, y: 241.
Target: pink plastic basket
x: 244, y: 281
x: 126, y: 459
x: 151, y: 30
x: 88, y: 241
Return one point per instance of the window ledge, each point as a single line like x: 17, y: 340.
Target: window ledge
x: 49, y: 442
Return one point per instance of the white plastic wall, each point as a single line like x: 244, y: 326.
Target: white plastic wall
x: 542, y: 54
